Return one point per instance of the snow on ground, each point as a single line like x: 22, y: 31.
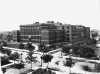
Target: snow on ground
x: 36, y: 46
x: 57, y: 72
x: 57, y: 54
x: 77, y: 68
x: 12, y: 71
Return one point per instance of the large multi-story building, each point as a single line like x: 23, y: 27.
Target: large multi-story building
x: 75, y: 33
x: 47, y: 33
x: 53, y: 33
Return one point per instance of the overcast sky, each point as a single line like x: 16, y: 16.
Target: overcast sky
x: 16, y: 12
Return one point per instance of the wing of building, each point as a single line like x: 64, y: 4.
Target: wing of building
x: 53, y: 33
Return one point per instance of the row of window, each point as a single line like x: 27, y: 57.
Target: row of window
x: 52, y: 41
x: 29, y: 27
x: 30, y: 32
x: 33, y: 37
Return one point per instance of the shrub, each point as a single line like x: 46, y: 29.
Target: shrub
x: 43, y: 71
x: 4, y: 60
x: 18, y: 66
x: 47, y: 58
x: 14, y: 56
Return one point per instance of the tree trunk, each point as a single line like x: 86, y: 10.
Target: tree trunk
x: 47, y: 65
x: 41, y: 62
x: 61, y: 53
x: 69, y: 70
x: 14, y: 61
x: 31, y: 64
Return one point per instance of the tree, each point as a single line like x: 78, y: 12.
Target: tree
x: 43, y: 49
x: 18, y: 66
x: 68, y: 62
x: 87, y: 68
x: 89, y: 52
x: 91, y: 41
x: 14, y: 56
x: 47, y: 58
x: 66, y: 49
x: 31, y: 58
x: 4, y: 60
x: 9, y: 37
x: 6, y: 51
x: 29, y: 46
x: 3, y: 43
x: 79, y: 50
x: 76, y: 50
x: 21, y: 46
x: 1, y: 48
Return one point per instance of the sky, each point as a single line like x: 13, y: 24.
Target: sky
x: 13, y: 13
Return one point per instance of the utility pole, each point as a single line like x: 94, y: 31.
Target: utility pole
x: 40, y: 41
x: 70, y: 33
x: 21, y: 58
x: 70, y: 51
